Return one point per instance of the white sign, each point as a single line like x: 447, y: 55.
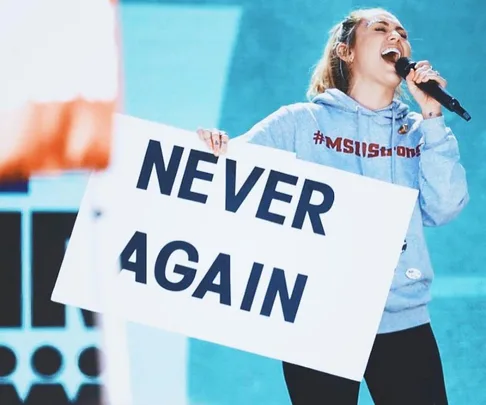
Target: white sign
x: 255, y: 250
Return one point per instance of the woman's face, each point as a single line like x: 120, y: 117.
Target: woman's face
x: 380, y: 41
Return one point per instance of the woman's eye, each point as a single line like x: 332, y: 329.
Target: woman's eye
x: 383, y: 29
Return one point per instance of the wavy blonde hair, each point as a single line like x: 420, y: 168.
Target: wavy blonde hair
x: 331, y: 72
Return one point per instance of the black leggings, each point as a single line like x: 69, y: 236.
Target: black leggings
x: 404, y: 368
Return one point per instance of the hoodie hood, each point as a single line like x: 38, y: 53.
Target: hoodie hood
x: 337, y: 99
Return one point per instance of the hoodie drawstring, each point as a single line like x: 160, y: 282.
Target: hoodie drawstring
x: 361, y: 160
x: 393, y: 143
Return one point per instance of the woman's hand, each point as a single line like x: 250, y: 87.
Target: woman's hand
x: 422, y: 73
x: 216, y: 140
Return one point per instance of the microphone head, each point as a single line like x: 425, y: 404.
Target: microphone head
x: 403, y: 66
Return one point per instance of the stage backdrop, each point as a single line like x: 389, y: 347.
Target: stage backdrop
x: 229, y: 63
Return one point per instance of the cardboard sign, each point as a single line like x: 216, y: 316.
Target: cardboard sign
x: 255, y: 250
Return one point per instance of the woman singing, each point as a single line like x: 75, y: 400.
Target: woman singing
x: 364, y: 128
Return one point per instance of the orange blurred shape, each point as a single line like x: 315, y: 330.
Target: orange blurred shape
x: 59, y: 85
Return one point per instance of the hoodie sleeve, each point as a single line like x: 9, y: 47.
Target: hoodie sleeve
x: 443, y: 191
x: 275, y: 131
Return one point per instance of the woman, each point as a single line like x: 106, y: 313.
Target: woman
x: 363, y: 128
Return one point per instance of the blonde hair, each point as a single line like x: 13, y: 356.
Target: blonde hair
x: 331, y: 72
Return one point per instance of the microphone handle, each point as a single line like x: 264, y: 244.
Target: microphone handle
x: 433, y: 89
x: 440, y: 94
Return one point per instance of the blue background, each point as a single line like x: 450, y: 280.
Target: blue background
x: 228, y: 64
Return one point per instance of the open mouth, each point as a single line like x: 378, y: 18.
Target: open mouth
x: 391, y: 55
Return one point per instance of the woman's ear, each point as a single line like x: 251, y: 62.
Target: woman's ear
x: 344, y: 53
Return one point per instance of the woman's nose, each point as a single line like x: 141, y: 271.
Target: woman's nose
x: 395, y: 36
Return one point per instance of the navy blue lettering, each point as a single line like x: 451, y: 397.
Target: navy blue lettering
x: 137, y: 245
x: 251, y: 287
x: 165, y: 175
x: 187, y: 273
x: 10, y: 275
x: 278, y: 285
x: 50, y: 230
x: 192, y: 173
x: 235, y: 199
x: 221, y: 266
x: 270, y: 193
x: 304, y: 206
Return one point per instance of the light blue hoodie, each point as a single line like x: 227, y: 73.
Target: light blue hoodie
x: 393, y: 145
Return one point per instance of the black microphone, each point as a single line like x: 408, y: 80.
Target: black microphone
x: 404, y: 65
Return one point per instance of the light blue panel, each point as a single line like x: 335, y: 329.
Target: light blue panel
x: 176, y: 61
